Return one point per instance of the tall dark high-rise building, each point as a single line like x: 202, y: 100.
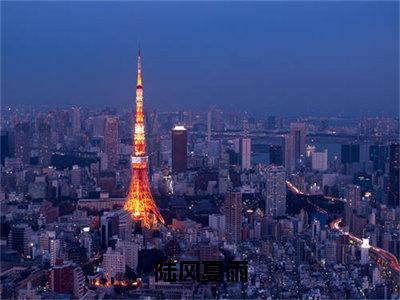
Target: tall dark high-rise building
x: 298, y: 133
x: 23, y: 142
x: 394, y: 169
x: 288, y: 151
x: 44, y: 143
x: 19, y: 237
x: 233, y: 216
x: 378, y: 154
x: 271, y: 122
x: 111, y: 141
x: 76, y: 120
x: 179, y: 149
x: 350, y: 153
x: 275, y: 155
x: 5, y: 145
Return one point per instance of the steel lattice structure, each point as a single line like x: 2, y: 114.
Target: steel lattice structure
x: 140, y: 203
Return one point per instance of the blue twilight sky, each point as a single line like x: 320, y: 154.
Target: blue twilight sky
x: 289, y: 58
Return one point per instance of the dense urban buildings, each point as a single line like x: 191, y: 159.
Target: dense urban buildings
x: 332, y: 214
x: 205, y: 200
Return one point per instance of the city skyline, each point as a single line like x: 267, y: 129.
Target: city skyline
x: 282, y: 58
x: 251, y: 159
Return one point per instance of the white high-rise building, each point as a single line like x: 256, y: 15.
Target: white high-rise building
x: 245, y: 153
x: 76, y: 176
x: 319, y: 160
x: 131, y: 252
x: 55, y: 250
x: 44, y: 241
x: 365, y: 251
x: 113, y: 263
x: 217, y: 222
x: 275, y: 203
x: 79, y: 282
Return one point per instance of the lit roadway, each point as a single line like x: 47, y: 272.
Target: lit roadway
x: 334, y: 225
x: 295, y: 190
x: 387, y: 256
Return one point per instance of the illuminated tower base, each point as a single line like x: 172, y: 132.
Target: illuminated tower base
x: 140, y: 203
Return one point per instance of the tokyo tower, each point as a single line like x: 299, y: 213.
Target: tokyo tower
x: 140, y: 203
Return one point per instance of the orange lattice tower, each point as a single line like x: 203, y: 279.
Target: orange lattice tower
x: 140, y: 203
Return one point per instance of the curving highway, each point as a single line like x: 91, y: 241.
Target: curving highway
x: 295, y: 190
x: 334, y: 225
x: 387, y: 256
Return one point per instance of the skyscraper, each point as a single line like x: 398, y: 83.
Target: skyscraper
x: 179, y: 149
x: 233, y: 216
x: 44, y: 145
x: 209, y: 125
x: 288, y: 146
x: 319, y: 160
x: 19, y: 237
x: 130, y: 250
x: 394, y: 169
x: 378, y: 154
x: 271, y: 123
x: 140, y: 203
x: 111, y: 141
x: 23, y: 142
x: 61, y: 277
x: 113, y: 263
x: 76, y: 120
x: 350, y: 153
x: 275, y: 203
x: 275, y: 155
x: 245, y: 153
x: 98, y: 125
x: 5, y: 145
x: 298, y: 135
x: 353, y: 196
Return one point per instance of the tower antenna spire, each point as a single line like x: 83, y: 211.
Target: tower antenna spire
x: 139, y: 74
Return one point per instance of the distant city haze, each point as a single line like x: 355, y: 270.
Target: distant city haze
x: 287, y: 58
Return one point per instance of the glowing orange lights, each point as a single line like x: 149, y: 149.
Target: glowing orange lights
x: 140, y: 203
x: 385, y: 255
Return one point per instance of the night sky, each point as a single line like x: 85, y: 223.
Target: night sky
x: 287, y: 58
